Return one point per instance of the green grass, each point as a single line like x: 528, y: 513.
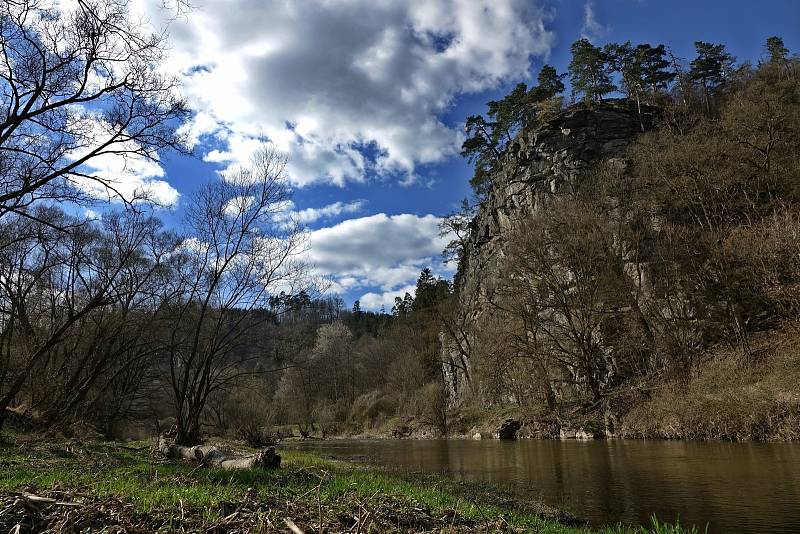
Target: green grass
x: 156, y: 488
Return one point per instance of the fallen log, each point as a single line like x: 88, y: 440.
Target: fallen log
x: 210, y: 456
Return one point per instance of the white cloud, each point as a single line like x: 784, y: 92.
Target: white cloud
x: 131, y: 176
x: 592, y: 29
x: 324, y: 80
x: 237, y: 206
x: 373, y: 242
x: 310, y: 215
x: 374, y: 301
x: 290, y: 215
x: 122, y: 171
x: 380, y: 254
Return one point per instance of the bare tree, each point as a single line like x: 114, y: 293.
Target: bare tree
x: 334, y: 363
x: 455, y: 226
x: 235, y: 257
x: 78, y: 82
x: 562, y: 281
x: 83, y: 378
x: 52, y: 284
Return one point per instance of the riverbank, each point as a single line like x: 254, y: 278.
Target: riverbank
x: 123, y: 487
x: 726, y: 397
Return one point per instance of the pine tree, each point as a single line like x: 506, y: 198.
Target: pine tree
x: 509, y: 114
x: 777, y: 51
x: 589, y: 71
x: 488, y: 137
x: 430, y: 291
x: 549, y: 83
x: 481, y: 150
x: 712, y: 68
x: 656, y: 71
x: 623, y: 59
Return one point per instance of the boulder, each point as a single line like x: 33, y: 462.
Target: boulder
x: 567, y: 433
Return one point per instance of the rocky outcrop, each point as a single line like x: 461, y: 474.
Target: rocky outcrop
x: 540, y: 163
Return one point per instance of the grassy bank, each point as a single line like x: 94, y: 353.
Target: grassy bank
x: 122, y: 487
x: 728, y: 397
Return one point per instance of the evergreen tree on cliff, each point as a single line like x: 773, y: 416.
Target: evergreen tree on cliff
x: 656, y: 69
x: 488, y: 137
x: 549, y: 83
x: 777, y: 50
x: 590, y: 71
x: 711, y: 69
x: 643, y: 70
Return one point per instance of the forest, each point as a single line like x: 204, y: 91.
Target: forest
x: 115, y: 323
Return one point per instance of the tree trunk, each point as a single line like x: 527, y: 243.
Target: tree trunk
x: 188, y: 434
x: 639, y: 110
x: 211, y: 456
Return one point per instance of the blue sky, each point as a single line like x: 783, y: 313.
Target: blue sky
x: 376, y: 92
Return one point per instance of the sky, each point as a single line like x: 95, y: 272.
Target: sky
x: 367, y: 98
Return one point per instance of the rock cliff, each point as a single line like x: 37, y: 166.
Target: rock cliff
x: 540, y: 163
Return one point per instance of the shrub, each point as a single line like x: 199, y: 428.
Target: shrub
x: 371, y: 408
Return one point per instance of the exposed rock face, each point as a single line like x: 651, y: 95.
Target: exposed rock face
x: 539, y: 164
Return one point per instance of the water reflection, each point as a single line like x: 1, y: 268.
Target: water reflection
x: 734, y: 487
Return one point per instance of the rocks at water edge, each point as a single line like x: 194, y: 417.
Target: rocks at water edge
x: 577, y: 433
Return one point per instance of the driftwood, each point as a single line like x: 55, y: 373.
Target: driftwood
x: 207, y: 455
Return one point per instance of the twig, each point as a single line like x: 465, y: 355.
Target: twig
x: 486, y: 519
x: 319, y: 505
x: 134, y: 449
x: 38, y: 500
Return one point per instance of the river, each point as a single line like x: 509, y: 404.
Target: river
x: 731, y: 487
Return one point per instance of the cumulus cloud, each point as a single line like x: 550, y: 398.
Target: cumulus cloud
x: 123, y: 170
x: 132, y: 176
x: 592, y: 29
x: 289, y: 215
x: 345, y: 88
x: 385, y: 300
x: 381, y: 255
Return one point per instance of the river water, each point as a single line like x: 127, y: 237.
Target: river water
x: 730, y: 487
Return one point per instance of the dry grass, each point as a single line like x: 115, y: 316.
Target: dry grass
x: 729, y: 398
